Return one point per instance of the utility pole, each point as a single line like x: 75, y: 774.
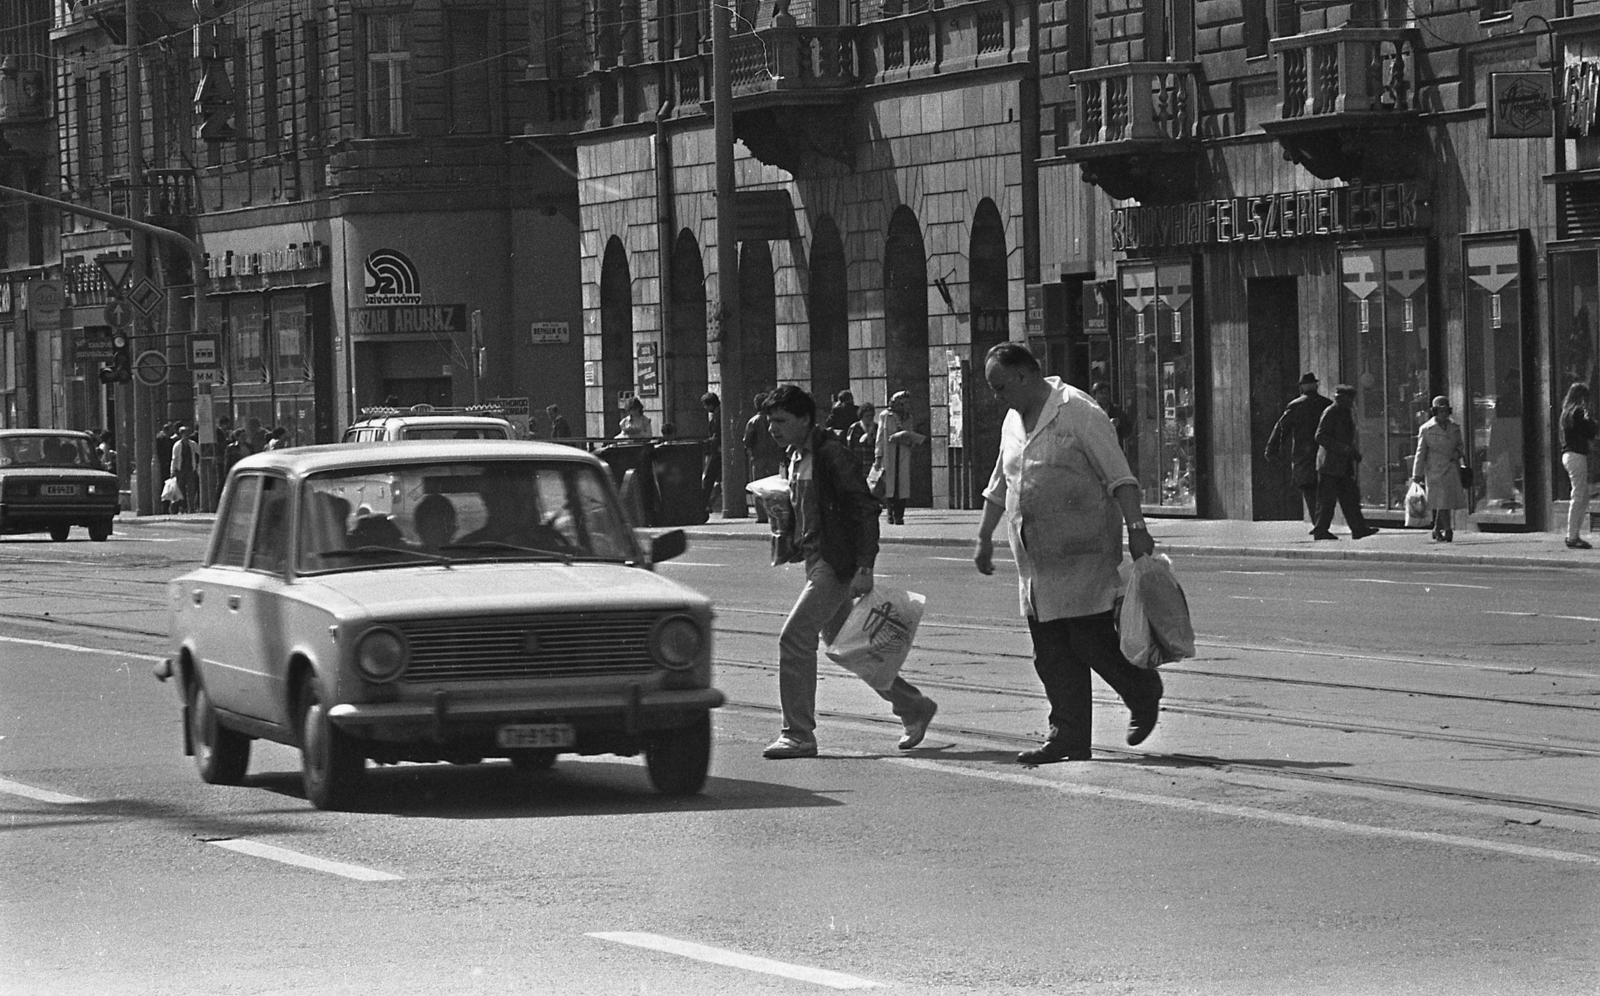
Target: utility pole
x: 135, y: 419
x: 735, y: 411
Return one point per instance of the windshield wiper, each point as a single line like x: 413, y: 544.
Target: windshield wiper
x: 384, y: 551
x: 565, y: 556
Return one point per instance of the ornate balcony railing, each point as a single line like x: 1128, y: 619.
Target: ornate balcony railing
x: 169, y: 195
x: 1346, y: 71
x: 1136, y: 102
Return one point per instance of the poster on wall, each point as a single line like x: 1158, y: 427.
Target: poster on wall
x: 646, y: 375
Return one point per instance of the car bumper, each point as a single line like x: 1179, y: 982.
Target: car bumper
x: 446, y: 718
x: 73, y: 513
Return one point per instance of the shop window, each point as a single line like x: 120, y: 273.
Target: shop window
x: 1496, y: 363
x: 289, y: 358
x: 1384, y: 337
x: 1156, y: 363
x: 1575, y: 351
x: 246, y: 320
x: 386, y: 54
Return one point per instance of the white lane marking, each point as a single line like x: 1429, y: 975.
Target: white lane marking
x: 687, y: 563
x: 1425, y: 584
x: 256, y: 849
x: 49, y: 645
x: 1539, y: 615
x: 1321, y: 601
x: 1276, y: 574
x: 1578, y: 618
x: 1253, y: 813
x: 733, y: 959
x: 968, y: 560
x: 1262, y: 598
x: 1502, y: 612
x: 10, y: 787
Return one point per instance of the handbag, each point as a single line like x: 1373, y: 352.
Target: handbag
x: 875, y: 482
x: 1466, y: 475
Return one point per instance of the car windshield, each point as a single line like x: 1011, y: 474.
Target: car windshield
x: 459, y: 511
x: 46, y: 451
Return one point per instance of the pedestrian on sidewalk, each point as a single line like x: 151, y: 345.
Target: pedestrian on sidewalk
x: 843, y: 414
x: 862, y: 436
x: 161, y: 458
x: 711, y: 470
x: 1065, y: 489
x: 559, y: 429
x: 836, y: 532
x: 186, y: 468
x: 1578, y: 433
x: 760, y: 450
x: 1297, y: 427
x: 896, y: 437
x: 1337, y: 457
x: 1441, y: 458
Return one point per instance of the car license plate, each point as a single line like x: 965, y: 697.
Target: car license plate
x: 59, y: 490
x: 536, y: 735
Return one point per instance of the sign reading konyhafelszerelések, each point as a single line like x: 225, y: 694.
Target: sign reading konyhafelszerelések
x: 1295, y: 214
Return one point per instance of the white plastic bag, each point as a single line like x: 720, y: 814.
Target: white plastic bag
x: 170, y: 491
x: 1154, y: 625
x: 875, y: 639
x: 1417, y: 506
x: 773, y: 494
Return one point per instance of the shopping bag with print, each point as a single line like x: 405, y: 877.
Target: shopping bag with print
x: 1417, y: 506
x: 875, y: 639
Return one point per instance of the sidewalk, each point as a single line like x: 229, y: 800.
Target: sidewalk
x: 1229, y: 538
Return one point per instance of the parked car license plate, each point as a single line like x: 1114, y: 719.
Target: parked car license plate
x: 536, y: 735
x: 59, y: 490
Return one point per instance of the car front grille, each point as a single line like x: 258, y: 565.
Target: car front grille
x: 540, y: 646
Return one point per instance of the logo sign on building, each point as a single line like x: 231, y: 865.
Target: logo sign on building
x: 375, y: 323
x: 203, y: 350
x: 550, y: 333
x: 96, y: 345
x: 392, y: 278
x: 646, y: 373
x: 45, y: 301
x: 1521, y: 105
x: 516, y: 412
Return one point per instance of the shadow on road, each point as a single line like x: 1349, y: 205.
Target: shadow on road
x: 496, y: 791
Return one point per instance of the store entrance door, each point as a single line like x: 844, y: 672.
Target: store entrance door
x: 1274, y: 320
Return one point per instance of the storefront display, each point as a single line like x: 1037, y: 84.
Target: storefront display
x: 1575, y: 349
x: 1157, y: 349
x: 1497, y: 362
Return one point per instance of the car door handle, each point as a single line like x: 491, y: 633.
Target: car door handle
x: 197, y: 596
x: 233, y: 602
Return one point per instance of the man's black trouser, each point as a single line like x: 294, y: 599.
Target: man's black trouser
x: 1064, y: 652
x: 1347, y: 493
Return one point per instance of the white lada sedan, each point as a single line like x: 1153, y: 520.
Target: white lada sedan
x: 437, y: 601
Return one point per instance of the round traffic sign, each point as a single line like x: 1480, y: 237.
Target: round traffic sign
x: 151, y: 367
x: 119, y: 313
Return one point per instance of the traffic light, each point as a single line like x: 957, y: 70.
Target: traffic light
x: 119, y: 369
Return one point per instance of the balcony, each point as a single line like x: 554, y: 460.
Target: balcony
x: 1350, y: 107
x: 169, y: 198
x: 794, y: 85
x: 1135, y: 135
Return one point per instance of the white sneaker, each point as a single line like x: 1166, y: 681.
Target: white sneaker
x: 784, y: 748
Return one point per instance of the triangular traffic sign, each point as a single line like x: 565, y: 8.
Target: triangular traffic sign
x: 116, y: 269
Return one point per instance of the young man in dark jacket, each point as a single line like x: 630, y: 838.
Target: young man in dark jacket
x: 836, y: 534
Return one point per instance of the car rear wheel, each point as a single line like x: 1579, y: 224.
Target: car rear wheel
x: 220, y: 754
x: 59, y: 533
x: 100, y: 531
x: 331, y: 768
x: 678, y: 759
x: 534, y: 760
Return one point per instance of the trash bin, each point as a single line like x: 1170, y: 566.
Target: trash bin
x: 622, y: 458
x: 679, y: 465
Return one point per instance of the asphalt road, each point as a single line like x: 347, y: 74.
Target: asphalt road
x: 1368, y: 781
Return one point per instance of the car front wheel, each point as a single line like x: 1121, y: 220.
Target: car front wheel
x: 331, y: 768
x: 59, y: 533
x: 678, y: 759
x: 100, y: 531
x: 220, y: 754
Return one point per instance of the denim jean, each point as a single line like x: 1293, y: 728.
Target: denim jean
x: 820, y: 611
x: 1578, y: 470
x: 1064, y: 652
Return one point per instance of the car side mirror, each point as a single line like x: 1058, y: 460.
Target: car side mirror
x: 668, y: 545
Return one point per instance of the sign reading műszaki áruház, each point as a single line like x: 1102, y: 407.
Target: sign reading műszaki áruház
x: 1297, y: 214
x: 401, y: 319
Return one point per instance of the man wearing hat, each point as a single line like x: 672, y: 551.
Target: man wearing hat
x: 1337, y: 457
x: 1298, y: 427
x: 1441, y: 457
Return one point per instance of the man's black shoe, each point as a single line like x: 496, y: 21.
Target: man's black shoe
x: 1143, y: 721
x: 1050, y: 753
x: 1371, y: 531
x: 1323, y: 536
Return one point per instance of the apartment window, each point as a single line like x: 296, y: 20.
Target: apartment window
x: 269, y: 91
x: 1489, y: 9
x: 1255, y: 28
x: 1080, y: 37
x: 311, y: 81
x: 80, y: 114
x: 470, y: 71
x: 1169, y: 30
x: 1288, y: 18
x: 387, y: 56
x: 107, y: 122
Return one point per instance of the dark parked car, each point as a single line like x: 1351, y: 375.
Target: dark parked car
x: 51, y: 480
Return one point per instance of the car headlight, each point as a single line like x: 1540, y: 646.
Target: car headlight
x: 381, y: 655
x: 677, y: 642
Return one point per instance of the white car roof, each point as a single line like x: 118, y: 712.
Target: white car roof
x: 302, y: 460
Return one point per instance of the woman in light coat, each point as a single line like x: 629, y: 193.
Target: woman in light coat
x: 896, y: 437
x: 1441, y: 453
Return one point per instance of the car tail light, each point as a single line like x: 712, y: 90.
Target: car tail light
x: 381, y: 655
x: 677, y: 642
x: 17, y: 489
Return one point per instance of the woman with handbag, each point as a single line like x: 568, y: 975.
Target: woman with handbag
x: 1578, y: 431
x: 1440, y: 466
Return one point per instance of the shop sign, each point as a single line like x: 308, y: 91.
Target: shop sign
x: 391, y: 278
x: 289, y: 259
x: 763, y: 215
x: 550, y: 333
x: 378, y: 322
x: 5, y: 297
x: 645, y: 373
x: 45, y: 301
x: 1356, y: 210
x: 516, y: 411
x: 1580, y: 92
x: 1521, y: 105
